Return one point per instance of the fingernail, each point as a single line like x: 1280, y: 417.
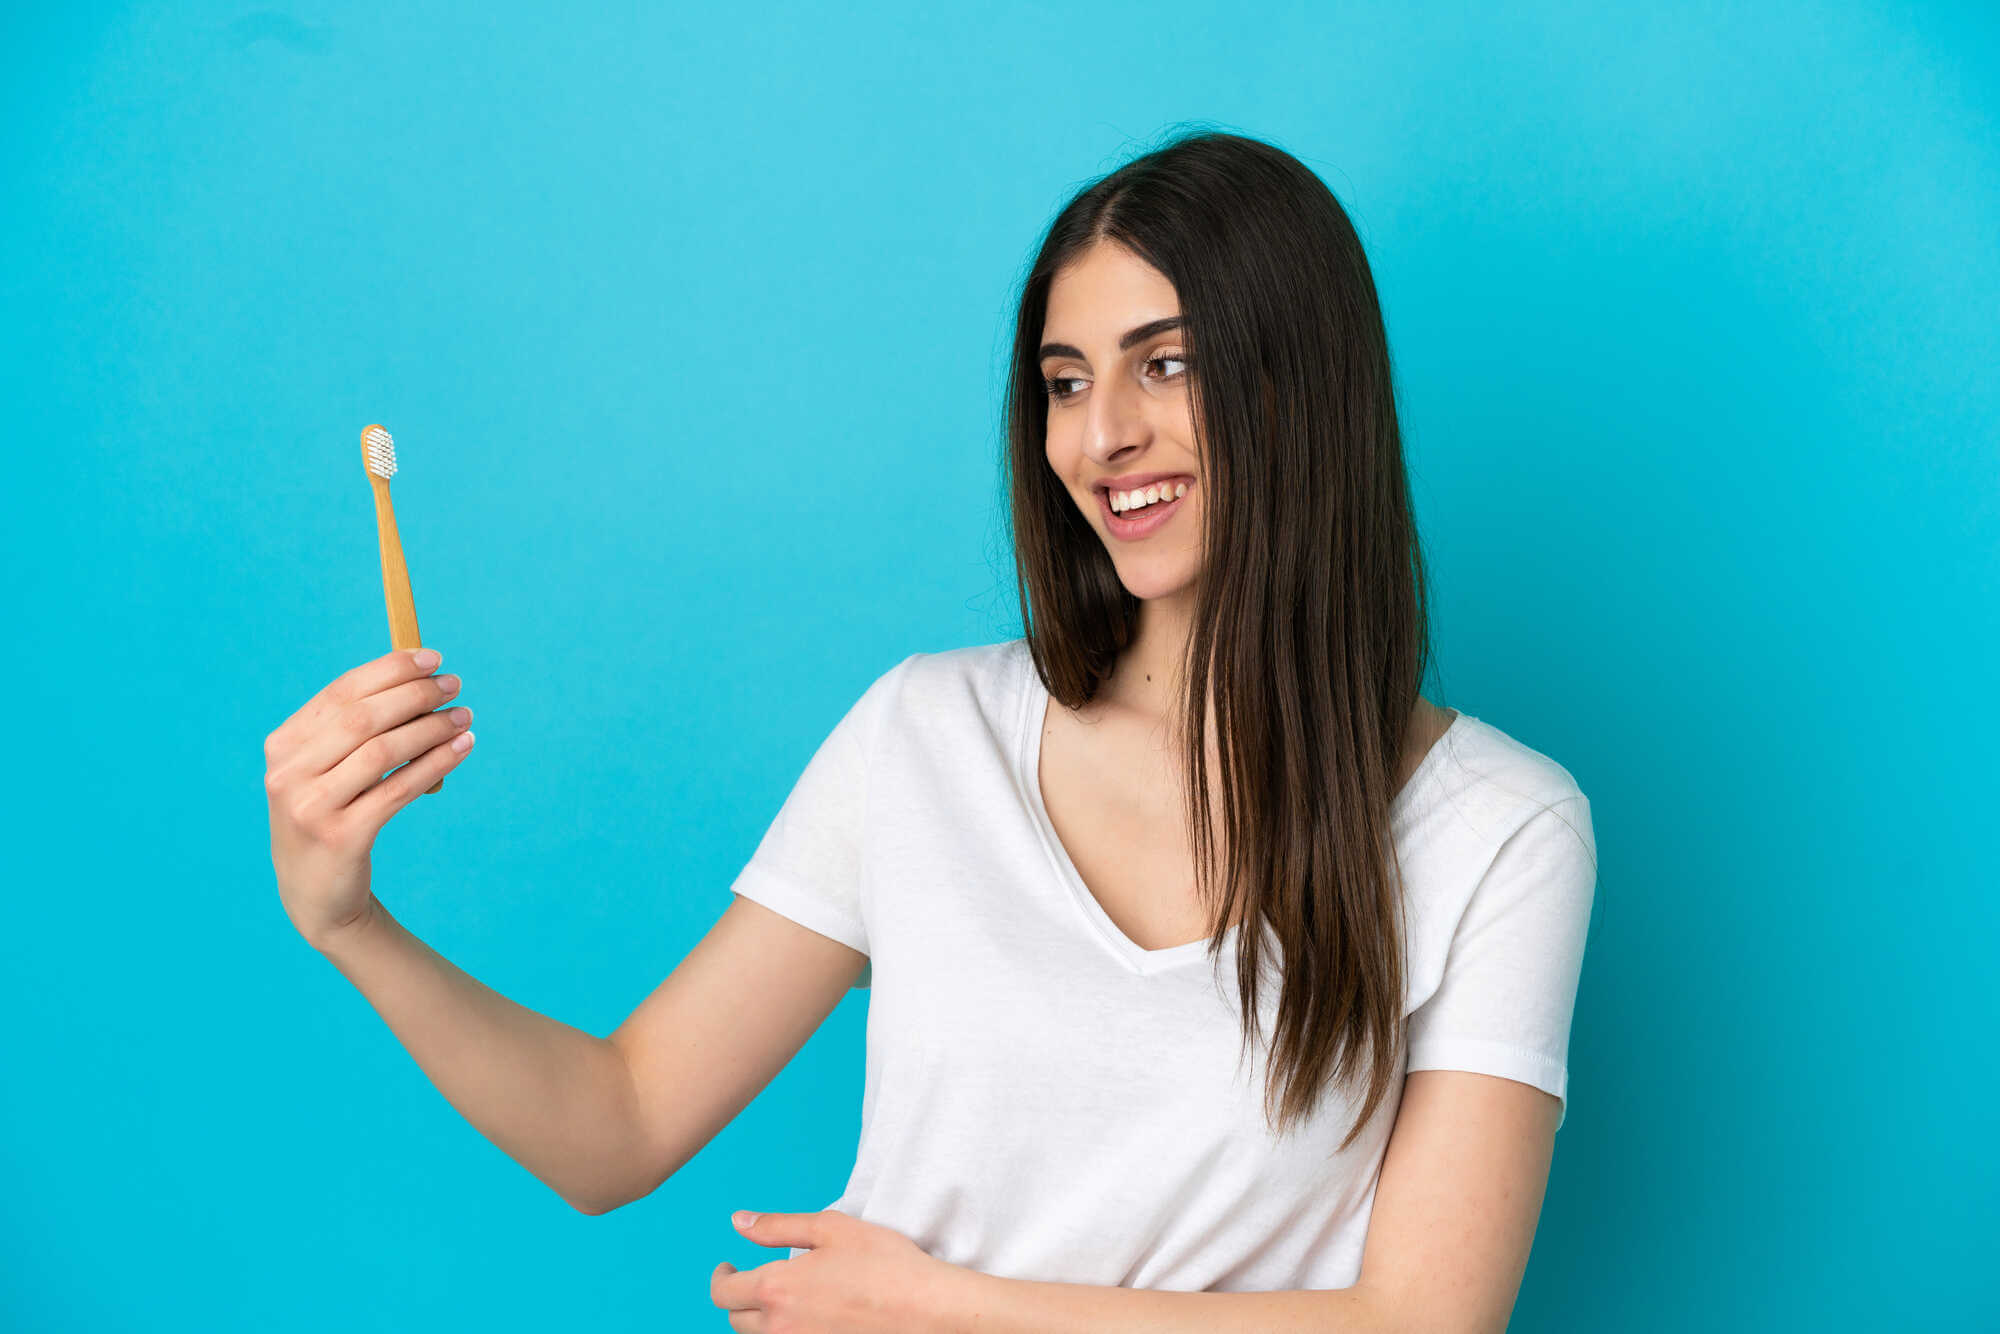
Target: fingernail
x: 743, y: 1219
x: 428, y: 658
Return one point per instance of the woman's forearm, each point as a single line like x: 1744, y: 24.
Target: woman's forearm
x: 990, y: 1305
x: 555, y: 1099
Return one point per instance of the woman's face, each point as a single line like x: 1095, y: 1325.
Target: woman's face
x: 1119, y: 415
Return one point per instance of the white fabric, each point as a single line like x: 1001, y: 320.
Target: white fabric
x: 1045, y: 1100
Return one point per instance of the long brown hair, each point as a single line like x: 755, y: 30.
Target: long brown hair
x: 1310, y: 603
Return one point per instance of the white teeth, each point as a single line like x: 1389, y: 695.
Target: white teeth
x: 1123, y: 501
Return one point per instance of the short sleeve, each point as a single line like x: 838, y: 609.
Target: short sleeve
x: 1504, y: 1004
x: 808, y: 864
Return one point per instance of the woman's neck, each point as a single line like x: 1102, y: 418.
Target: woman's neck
x: 1146, y: 683
x: 1147, y: 680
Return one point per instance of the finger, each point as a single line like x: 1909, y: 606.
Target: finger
x: 390, y: 794
x: 735, y: 1289
x: 785, y: 1229
x: 368, y: 720
x: 740, y: 1303
x: 392, y: 668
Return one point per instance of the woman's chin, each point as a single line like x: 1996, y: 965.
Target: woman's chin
x: 1148, y: 585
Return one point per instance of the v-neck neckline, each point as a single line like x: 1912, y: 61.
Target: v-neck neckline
x: 1032, y: 727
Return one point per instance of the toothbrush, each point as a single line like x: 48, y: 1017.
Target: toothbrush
x: 378, y: 456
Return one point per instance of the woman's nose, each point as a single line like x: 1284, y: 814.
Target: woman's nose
x: 1113, y: 420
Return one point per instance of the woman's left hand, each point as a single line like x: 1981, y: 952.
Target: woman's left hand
x: 858, y: 1278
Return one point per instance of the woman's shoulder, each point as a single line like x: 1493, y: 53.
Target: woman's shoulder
x: 966, y: 665
x: 934, y: 690
x: 1498, y: 782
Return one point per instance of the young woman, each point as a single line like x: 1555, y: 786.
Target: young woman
x: 1219, y: 979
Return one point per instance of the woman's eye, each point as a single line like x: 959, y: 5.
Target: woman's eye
x: 1055, y: 390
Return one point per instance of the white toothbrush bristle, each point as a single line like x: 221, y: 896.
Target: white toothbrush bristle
x: 380, y: 451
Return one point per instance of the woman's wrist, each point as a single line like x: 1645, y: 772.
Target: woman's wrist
x: 953, y: 1301
x: 343, y: 939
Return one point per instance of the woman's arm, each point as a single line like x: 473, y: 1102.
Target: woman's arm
x: 1007, y: 1305
x: 553, y: 1098
x: 1454, y: 1218
x: 604, y: 1121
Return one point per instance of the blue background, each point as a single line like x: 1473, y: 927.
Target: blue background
x: 690, y: 329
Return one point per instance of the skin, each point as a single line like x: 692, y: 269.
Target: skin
x: 1128, y: 411
x: 1124, y: 412
x: 1110, y: 775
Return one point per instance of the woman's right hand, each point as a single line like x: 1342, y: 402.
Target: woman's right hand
x: 323, y: 773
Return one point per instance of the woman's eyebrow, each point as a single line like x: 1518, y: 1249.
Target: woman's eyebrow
x: 1125, y: 342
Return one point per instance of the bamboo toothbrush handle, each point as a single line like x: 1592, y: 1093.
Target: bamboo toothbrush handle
x: 396, y: 580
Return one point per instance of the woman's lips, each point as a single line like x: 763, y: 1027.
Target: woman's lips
x: 1142, y: 524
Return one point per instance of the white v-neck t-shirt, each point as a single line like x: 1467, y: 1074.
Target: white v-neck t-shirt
x: 1044, y: 1099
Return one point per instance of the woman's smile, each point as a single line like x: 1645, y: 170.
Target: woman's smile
x: 1146, y: 520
